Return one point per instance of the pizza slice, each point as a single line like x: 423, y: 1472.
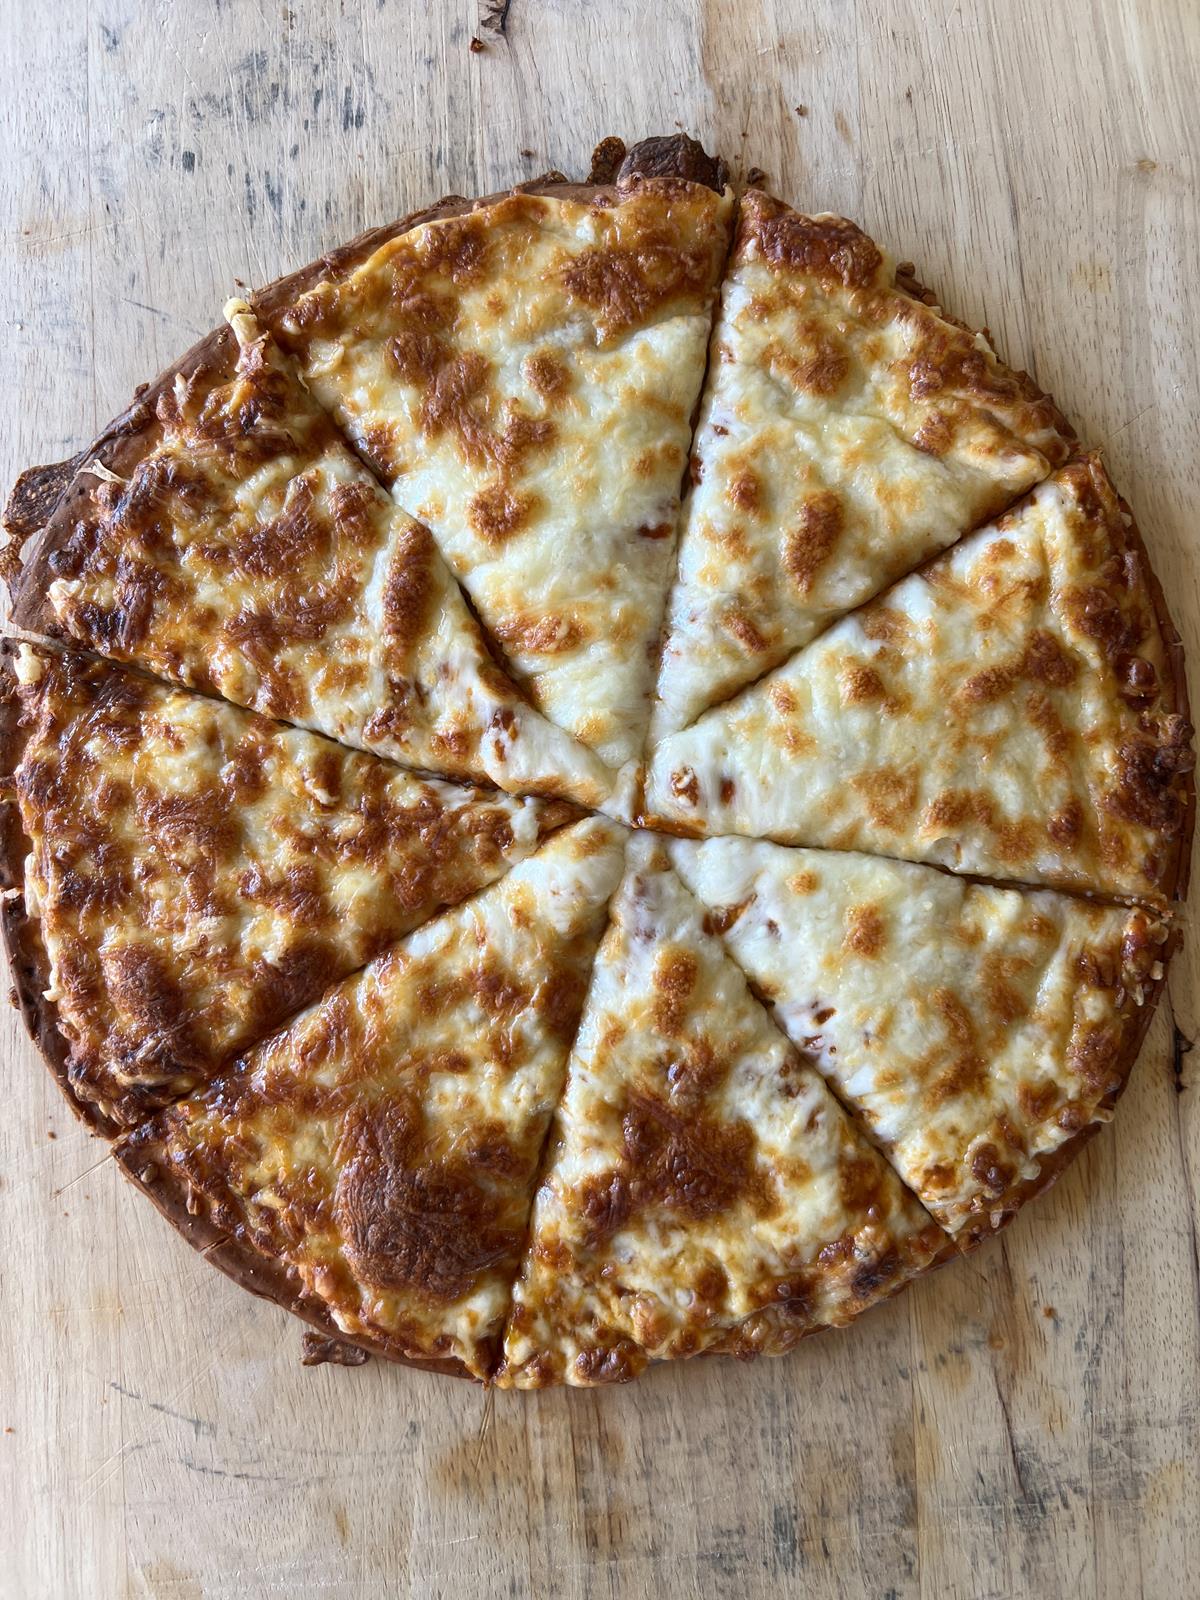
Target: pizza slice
x: 372, y: 1166
x: 223, y: 535
x: 703, y: 1189
x: 1017, y: 709
x: 523, y: 371
x: 980, y: 1034
x: 848, y: 430
x: 183, y: 875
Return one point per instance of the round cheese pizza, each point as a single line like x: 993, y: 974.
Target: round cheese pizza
x: 590, y: 779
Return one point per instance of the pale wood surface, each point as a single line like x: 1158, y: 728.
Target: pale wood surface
x: 1026, y: 1423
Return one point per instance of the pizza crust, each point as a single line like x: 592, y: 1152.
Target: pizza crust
x: 27, y: 958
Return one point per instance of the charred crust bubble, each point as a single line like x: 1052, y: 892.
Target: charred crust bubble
x: 606, y: 160
x: 318, y: 1350
x: 670, y: 156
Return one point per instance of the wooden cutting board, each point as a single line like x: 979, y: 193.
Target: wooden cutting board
x: 1026, y: 1422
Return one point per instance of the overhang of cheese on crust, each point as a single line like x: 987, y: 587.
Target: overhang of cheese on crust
x: 524, y: 375
x: 703, y: 1190
x: 384, y: 1147
x: 241, y: 548
x: 848, y: 430
x: 975, y: 1031
x: 196, y: 873
x: 1011, y: 710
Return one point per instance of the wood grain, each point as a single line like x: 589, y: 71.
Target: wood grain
x: 1025, y: 1423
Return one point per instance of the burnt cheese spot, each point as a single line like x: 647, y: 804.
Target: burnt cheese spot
x: 807, y: 546
x: 457, y: 247
x: 284, y: 543
x: 151, y: 1003
x: 719, y: 919
x: 545, y: 635
x: 862, y: 685
x: 828, y: 248
x: 685, y: 786
x: 1149, y: 769
x: 1065, y: 826
x: 415, y: 1219
x: 745, y: 630
x: 991, y: 1170
x: 354, y: 509
x: 616, y: 1363
x: 498, y: 512
x: 691, y: 1166
x: 818, y: 366
x: 935, y: 435
x: 889, y: 795
x: 745, y: 490
x: 674, y: 980
x: 455, y: 400
x: 866, y: 931
x: 547, y: 374
x: 628, y: 285
x: 1093, y: 1054
x: 410, y: 587
x: 298, y: 975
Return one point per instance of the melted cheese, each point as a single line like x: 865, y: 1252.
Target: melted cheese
x: 250, y: 554
x: 1006, y: 712
x: 385, y: 1146
x: 974, y: 1030
x: 197, y: 872
x: 847, y: 432
x: 703, y: 1189
x: 525, y: 376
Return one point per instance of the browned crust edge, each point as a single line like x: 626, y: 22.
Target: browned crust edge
x: 262, y: 1275
x: 1176, y: 702
x: 1014, y: 1200
x: 23, y: 945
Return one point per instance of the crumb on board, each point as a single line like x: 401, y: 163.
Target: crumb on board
x: 801, y: 110
x: 476, y: 45
x: 755, y: 176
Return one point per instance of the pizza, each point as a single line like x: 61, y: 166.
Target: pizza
x: 1000, y: 1041
x: 703, y: 1189
x: 192, y: 873
x: 1010, y: 710
x: 590, y: 779
x: 379, y: 1152
x: 523, y: 374
x: 224, y: 535
x: 847, y: 431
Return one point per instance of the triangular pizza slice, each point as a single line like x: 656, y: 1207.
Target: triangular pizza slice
x: 703, y: 1190
x: 183, y: 875
x: 1016, y: 709
x: 224, y: 536
x: 980, y: 1034
x: 848, y: 430
x: 372, y: 1166
x: 524, y: 372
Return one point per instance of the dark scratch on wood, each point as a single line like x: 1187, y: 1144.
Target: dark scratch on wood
x: 1181, y: 1046
x: 220, y: 1472
x: 495, y: 16
x: 200, y: 1427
